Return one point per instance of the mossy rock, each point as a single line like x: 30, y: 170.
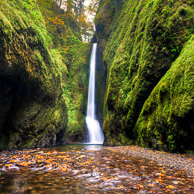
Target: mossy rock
x: 73, y: 57
x: 167, y: 115
x: 32, y: 78
x: 142, y: 40
x: 44, y: 74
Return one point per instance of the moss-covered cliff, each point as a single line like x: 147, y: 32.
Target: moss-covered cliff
x: 37, y: 75
x: 72, y: 53
x: 166, y: 120
x: 140, y: 41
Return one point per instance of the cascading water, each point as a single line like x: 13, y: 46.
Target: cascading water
x: 96, y: 135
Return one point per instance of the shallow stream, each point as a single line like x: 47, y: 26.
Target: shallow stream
x: 85, y: 169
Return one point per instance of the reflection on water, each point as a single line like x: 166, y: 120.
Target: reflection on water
x: 83, y: 146
x: 33, y: 180
x: 85, y: 169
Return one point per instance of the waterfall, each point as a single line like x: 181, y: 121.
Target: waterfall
x: 96, y: 135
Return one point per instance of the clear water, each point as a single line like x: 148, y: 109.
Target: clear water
x: 95, y: 133
x: 89, y: 169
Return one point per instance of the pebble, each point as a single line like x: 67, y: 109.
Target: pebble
x: 175, y: 182
x: 174, y: 161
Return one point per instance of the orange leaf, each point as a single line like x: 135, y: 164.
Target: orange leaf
x: 104, y: 179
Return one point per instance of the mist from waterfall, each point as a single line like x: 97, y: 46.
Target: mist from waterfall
x: 95, y: 133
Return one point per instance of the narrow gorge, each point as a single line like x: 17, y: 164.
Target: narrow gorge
x: 144, y: 73
x: 96, y: 96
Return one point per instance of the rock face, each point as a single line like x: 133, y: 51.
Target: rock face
x: 100, y: 87
x: 33, y: 111
x: 34, y: 75
x: 166, y: 119
x: 147, y: 49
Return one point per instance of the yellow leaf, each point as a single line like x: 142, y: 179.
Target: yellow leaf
x: 169, y: 187
x: 104, y: 179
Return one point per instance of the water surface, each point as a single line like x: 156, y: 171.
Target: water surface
x: 86, y: 169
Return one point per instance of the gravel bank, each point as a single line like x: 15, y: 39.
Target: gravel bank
x: 179, y: 161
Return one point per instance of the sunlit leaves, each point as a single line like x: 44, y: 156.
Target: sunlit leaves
x: 56, y: 20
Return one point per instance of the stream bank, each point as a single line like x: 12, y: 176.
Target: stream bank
x: 183, y: 162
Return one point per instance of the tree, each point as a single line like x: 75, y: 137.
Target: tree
x: 93, y: 6
x: 78, y: 8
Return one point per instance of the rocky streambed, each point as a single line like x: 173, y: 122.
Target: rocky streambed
x: 95, y: 169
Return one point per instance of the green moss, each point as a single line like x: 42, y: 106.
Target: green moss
x: 139, y: 41
x: 71, y: 54
x: 169, y: 108
x: 45, y: 61
x: 34, y: 89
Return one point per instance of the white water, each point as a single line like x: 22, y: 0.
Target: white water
x: 96, y: 135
